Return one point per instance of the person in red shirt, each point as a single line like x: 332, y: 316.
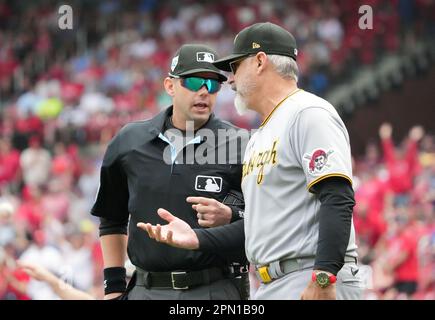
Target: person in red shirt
x: 403, y: 251
x: 30, y: 211
x: 9, y: 163
x: 402, y: 166
x: 13, y: 281
x: 426, y: 284
x: 368, y: 212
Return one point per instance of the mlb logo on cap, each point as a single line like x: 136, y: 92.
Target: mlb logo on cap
x: 194, y: 58
x: 208, y: 183
x: 204, y: 57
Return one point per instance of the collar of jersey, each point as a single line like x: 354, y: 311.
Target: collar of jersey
x: 174, y: 150
x: 157, y: 123
x: 276, y: 107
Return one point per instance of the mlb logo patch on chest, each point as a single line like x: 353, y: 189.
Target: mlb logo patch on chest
x: 208, y: 183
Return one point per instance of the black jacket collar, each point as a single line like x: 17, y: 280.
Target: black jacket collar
x: 157, y: 123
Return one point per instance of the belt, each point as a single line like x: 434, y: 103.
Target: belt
x: 277, y: 269
x: 179, y: 280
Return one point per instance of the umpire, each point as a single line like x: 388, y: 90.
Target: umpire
x: 154, y: 164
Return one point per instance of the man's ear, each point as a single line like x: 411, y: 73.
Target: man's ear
x: 261, y: 61
x: 169, y: 85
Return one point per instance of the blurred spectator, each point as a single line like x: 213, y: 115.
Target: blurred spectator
x: 331, y: 31
x: 35, y: 163
x: 77, y: 255
x: 24, y: 128
x: 402, y: 252
x: 62, y: 289
x: 426, y: 248
x: 370, y: 199
x: 7, y: 229
x: 402, y: 165
x: 9, y: 163
x: 209, y: 24
x: 30, y: 211
x: 13, y: 281
x: 48, y: 257
x: 89, y: 182
x: 55, y: 201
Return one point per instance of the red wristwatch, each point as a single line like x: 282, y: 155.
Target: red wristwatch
x: 323, y: 279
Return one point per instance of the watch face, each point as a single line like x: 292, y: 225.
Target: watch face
x: 322, y: 279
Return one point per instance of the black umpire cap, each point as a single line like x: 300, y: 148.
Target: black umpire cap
x: 267, y: 37
x: 194, y: 58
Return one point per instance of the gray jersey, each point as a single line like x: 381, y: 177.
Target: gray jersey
x: 300, y: 143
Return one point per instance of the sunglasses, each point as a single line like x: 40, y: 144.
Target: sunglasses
x: 236, y: 63
x: 196, y: 83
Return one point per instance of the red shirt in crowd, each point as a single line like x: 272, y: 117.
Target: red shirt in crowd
x: 7, y: 290
x: 21, y: 277
x: 31, y: 213
x: 401, y: 171
x: 370, y: 198
x: 406, y: 242
x: 9, y: 165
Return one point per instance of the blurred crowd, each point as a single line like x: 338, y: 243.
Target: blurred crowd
x: 394, y: 216
x: 63, y: 95
x: 110, y: 66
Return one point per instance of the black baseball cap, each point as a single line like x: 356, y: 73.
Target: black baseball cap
x: 267, y: 37
x: 194, y: 58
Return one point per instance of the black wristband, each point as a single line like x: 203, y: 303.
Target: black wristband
x: 234, y: 200
x: 236, y: 213
x: 114, y: 280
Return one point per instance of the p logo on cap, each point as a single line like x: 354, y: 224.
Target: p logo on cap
x: 267, y: 37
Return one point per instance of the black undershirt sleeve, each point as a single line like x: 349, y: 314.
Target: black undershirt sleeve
x: 227, y: 241
x: 108, y: 226
x: 335, y: 217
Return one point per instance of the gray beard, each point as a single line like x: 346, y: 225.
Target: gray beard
x: 240, y: 105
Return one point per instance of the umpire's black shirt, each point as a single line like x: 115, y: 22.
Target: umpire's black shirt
x: 135, y: 181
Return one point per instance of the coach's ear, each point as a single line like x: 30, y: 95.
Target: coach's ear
x: 261, y: 61
x: 169, y: 84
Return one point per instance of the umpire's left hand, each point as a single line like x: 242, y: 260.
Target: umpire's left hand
x: 210, y: 212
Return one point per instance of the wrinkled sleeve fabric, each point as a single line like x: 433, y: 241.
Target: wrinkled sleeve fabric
x: 111, y: 203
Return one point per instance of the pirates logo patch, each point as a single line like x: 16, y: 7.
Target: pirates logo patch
x: 317, y: 160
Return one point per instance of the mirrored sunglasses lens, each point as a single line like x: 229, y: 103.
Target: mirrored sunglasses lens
x: 195, y: 84
x: 213, y: 86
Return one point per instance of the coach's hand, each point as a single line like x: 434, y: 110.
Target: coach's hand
x: 176, y: 233
x: 314, y: 292
x: 210, y: 212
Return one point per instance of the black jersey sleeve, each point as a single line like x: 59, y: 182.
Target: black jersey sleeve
x: 112, y: 197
